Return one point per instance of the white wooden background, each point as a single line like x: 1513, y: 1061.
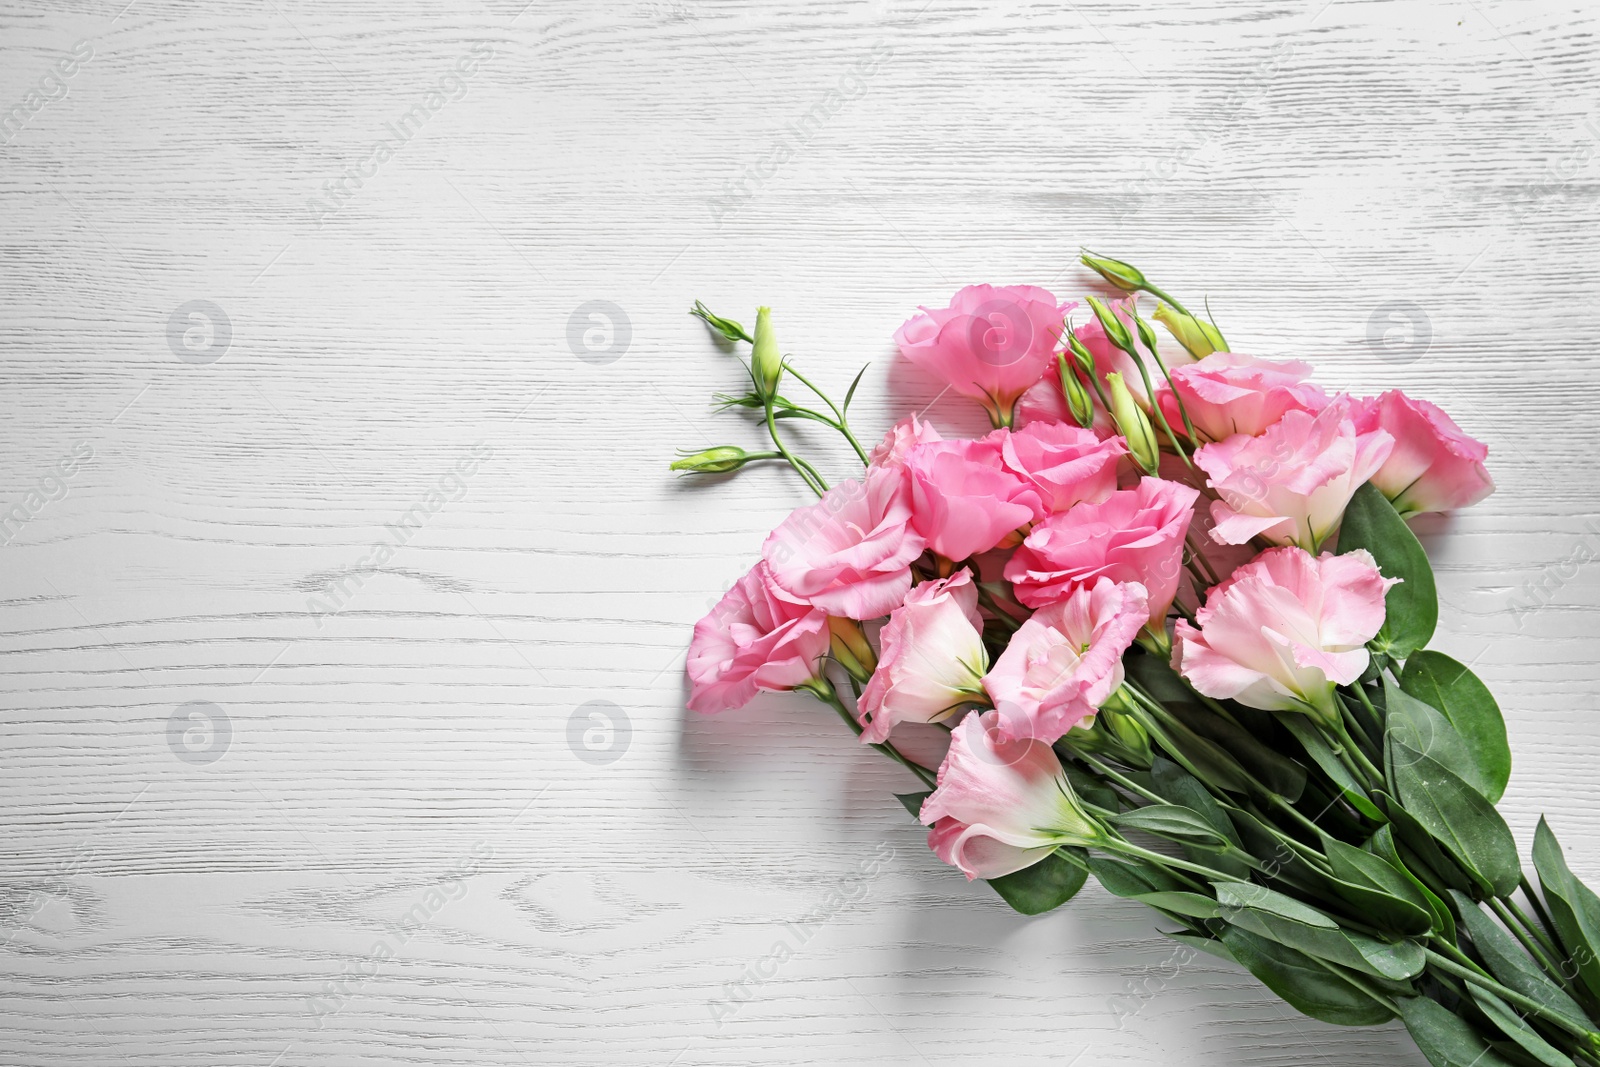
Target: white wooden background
x: 1403, y: 191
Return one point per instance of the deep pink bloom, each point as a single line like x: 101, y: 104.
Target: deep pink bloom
x: 1001, y: 805
x: 1227, y: 393
x: 933, y: 659
x: 1284, y: 630
x: 902, y: 437
x: 1135, y: 535
x: 1434, y: 466
x: 1291, y: 484
x: 964, y: 501
x: 850, y: 553
x: 757, y: 638
x: 1065, y: 660
x: 990, y: 344
x: 1065, y: 464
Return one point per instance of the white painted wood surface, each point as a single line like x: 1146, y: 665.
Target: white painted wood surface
x: 399, y: 771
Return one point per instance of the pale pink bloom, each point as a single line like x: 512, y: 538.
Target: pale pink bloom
x: 1291, y: 484
x: 1284, y: 630
x: 964, y: 501
x: 1135, y: 535
x: 1227, y: 393
x: 1065, y: 660
x: 902, y: 437
x: 990, y: 344
x: 757, y: 638
x: 1434, y: 466
x: 933, y: 659
x: 850, y: 553
x: 1001, y: 805
x: 1066, y: 464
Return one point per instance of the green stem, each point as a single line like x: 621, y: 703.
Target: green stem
x: 1538, y: 909
x: 1470, y: 972
x: 824, y: 691
x: 1116, y: 844
x: 1168, y: 297
x: 805, y: 470
x: 1514, y: 923
x: 839, y: 422
x: 1115, y: 776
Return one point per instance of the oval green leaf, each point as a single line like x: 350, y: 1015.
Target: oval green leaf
x: 1445, y: 684
x: 1370, y: 522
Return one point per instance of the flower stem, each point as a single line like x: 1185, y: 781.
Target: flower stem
x: 1473, y: 974
x: 838, y: 422
x: 824, y: 691
x: 804, y: 469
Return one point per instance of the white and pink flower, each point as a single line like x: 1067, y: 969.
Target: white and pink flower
x: 1284, y: 630
x: 1001, y: 805
x: 933, y: 660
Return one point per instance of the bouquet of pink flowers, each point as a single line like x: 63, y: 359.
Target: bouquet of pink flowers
x: 1169, y: 625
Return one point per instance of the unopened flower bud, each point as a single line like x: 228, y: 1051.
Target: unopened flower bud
x: 718, y: 460
x: 766, y: 362
x: 1081, y: 353
x: 1198, y: 338
x: 1116, y: 330
x: 726, y: 327
x: 1133, y: 424
x: 1128, y: 731
x: 1124, y: 276
x: 1078, y: 400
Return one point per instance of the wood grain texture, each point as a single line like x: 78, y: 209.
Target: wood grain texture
x: 398, y: 771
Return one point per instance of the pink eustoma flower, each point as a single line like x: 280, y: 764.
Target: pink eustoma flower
x: 902, y: 437
x: 850, y: 553
x: 1434, y: 466
x: 1290, y: 485
x: 758, y: 638
x: 1284, y: 630
x: 933, y: 659
x: 990, y: 344
x: 1065, y: 464
x: 964, y: 500
x: 1135, y: 535
x: 1065, y: 660
x: 1227, y: 393
x: 1001, y: 805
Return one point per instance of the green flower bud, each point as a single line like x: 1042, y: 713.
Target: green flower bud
x: 718, y: 460
x: 726, y: 327
x: 1124, y: 276
x: 1078, y: 400
x: 1116, y: 330
x: 1198, y: 338
x: 1128, y: 731
x: 766, y: 362
x: 1081, y: 353
x: 1133, y: 424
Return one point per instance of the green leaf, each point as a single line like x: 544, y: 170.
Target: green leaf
x: 1426, y: 729
x: 1307, y: 985
x: 912, y: 802
x: 1444, y: 1037
x: 1510, y: 1023
x: 1382, y: 844
x: 1457, y: 816
x: 1299, y: 926
x: 851, y: 395
x: 1173, y: 783
x: 1423, y: 853
x: 1371, y: 522
x: 1316, y: 746
x: 1173, y: 822
x: 1511, y: 966
x: 1572, y: 905
x: 1380, y: 892
x: 1279, y: 862
x: 1181, y: 903
x: 1464, y: 699
x: 1205, y: 944
x: 1130, y: 880
x: 1274, y: 770
x: 1045, y: 885
x: 1091, y: 788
